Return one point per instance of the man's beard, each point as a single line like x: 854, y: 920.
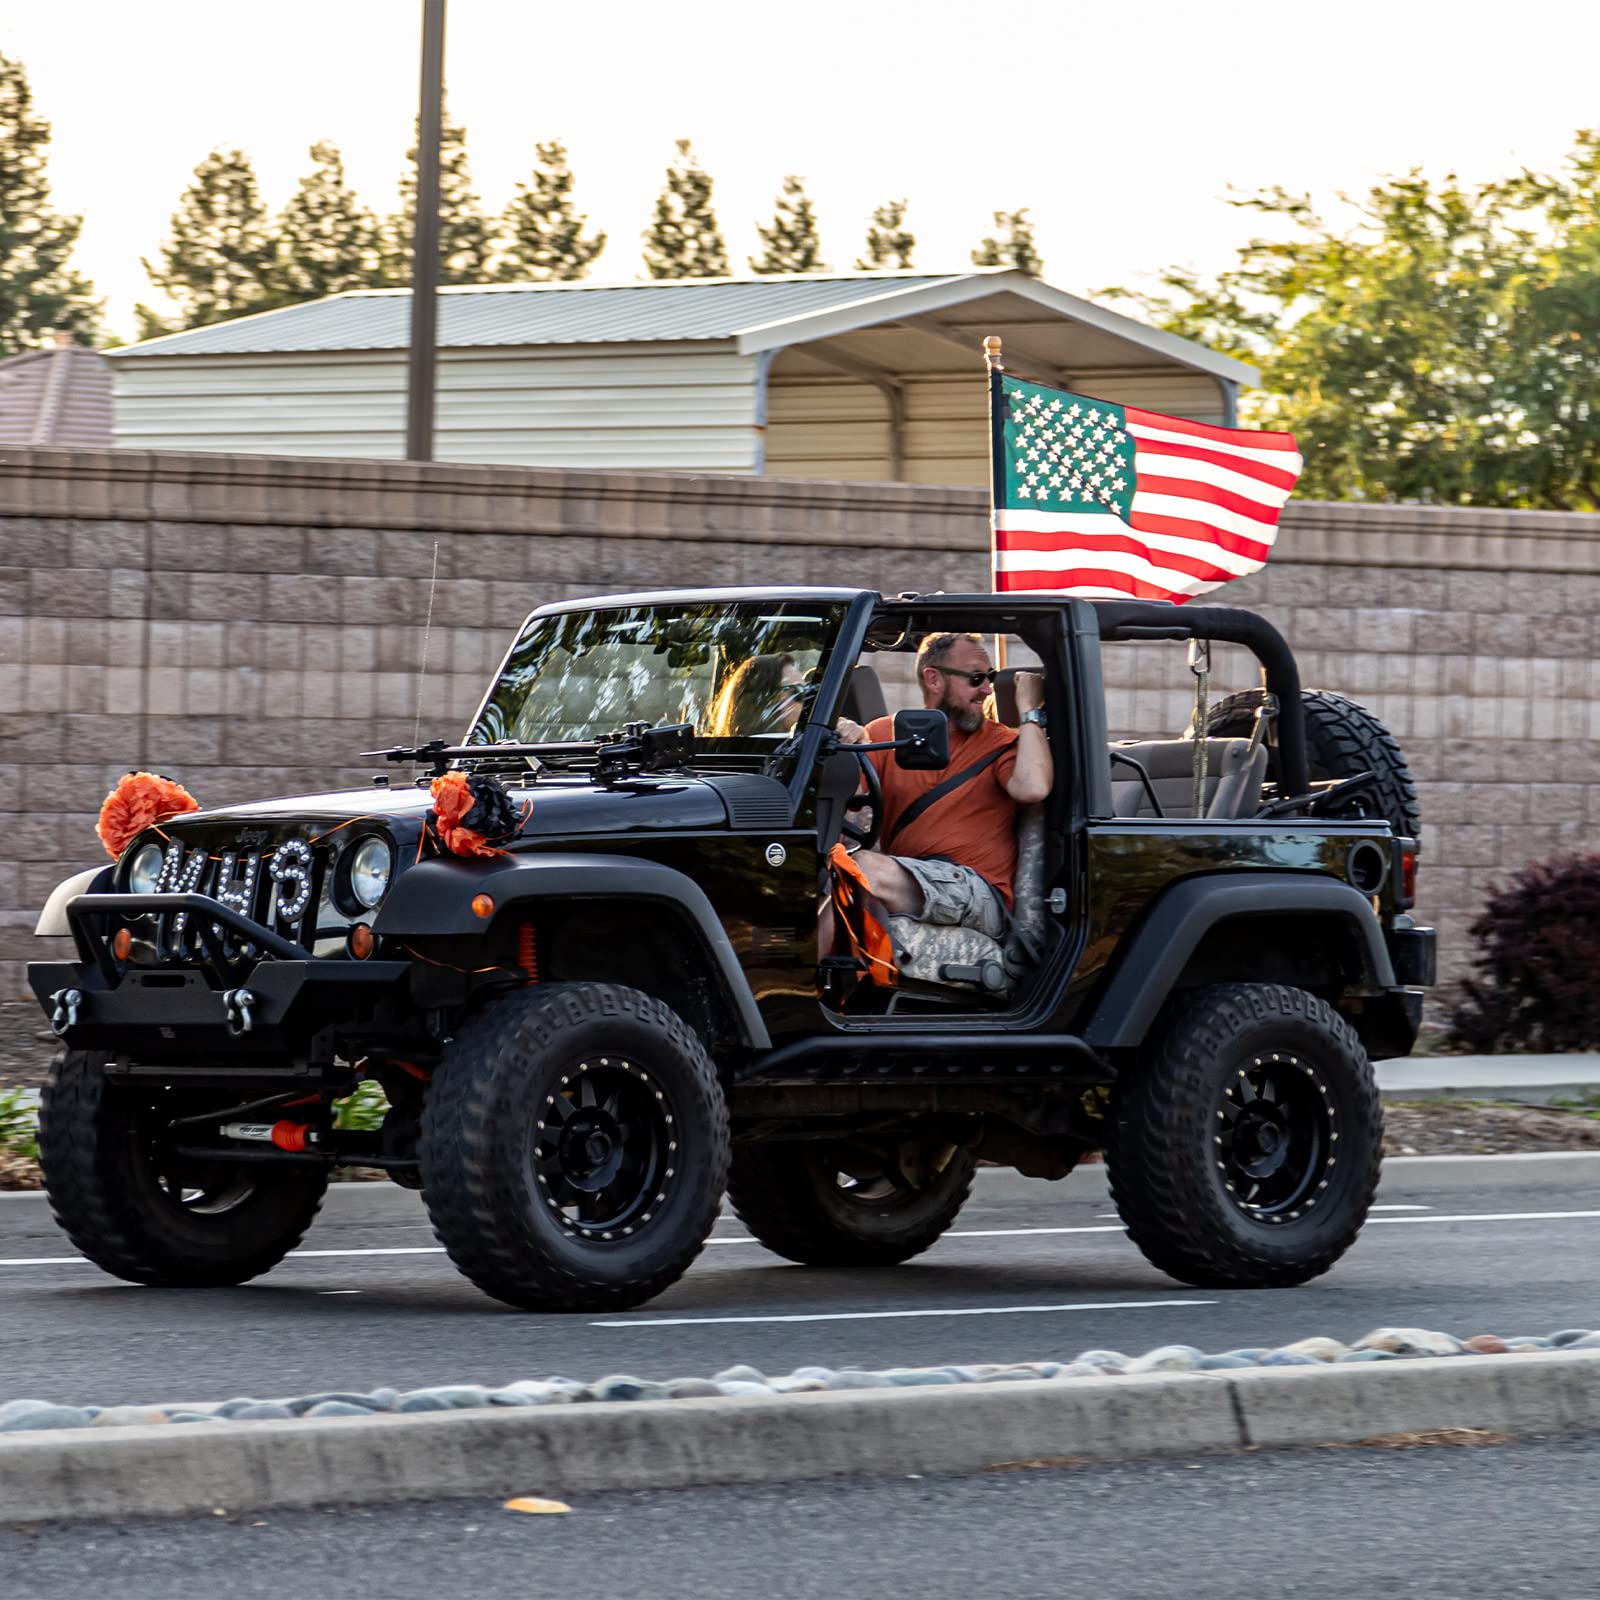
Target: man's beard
x: 964, y: 718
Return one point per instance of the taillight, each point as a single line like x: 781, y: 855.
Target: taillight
x: 1408, y: 873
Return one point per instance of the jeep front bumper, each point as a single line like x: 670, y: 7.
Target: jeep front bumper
x: 220, y: 1007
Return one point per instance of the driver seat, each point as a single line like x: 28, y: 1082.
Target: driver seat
x: 963, y: 957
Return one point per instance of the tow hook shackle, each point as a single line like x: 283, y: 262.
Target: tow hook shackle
x: 65, y: 1013
x: 238, y: 1011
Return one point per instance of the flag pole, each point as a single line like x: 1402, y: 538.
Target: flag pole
x: 997, y: 465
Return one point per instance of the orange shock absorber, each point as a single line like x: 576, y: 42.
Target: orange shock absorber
x: 528, y: 952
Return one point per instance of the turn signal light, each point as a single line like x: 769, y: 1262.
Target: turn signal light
x: 482, y: 905
x: 122, y: 943
x: 362, y: 941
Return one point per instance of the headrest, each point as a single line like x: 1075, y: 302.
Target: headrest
x: 1005, y: 697
x: 863, y: 697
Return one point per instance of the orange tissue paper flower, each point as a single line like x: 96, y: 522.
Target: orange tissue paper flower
x: 139, y: 800
x: 459, y: 799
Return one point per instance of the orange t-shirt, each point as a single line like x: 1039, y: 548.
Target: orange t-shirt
x: 976, y: 825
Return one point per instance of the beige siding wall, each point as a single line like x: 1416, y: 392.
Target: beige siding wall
x: 687, y: 408
x: 248, y: 623
x: 839, y: 428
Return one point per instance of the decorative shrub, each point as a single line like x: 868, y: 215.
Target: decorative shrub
x: 1536, y: 966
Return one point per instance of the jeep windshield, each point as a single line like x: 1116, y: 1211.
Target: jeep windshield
x: 742, y: 673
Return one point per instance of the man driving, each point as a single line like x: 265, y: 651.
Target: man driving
x: 950, y: 860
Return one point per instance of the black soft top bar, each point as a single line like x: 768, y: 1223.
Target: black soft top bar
x: 1159, y: 619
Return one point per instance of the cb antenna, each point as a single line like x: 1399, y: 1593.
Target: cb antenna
x: 427, y: 631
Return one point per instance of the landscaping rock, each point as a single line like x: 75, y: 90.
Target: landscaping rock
x: 1486, y: 1344
x: 622, y: 1387
x: 737, y: 1386
x: 1110, y: 1360
x: 739, y: 1374
x: 132, y: 1416
x: 704, y: 1389
x: 27, y: 1416
x: 1168, y: 1358
x: 1368, y: 1355
x: 850, y: 1378
x: 797, y: 1385
x: 1220, y: 1363
x: 422, y: 1401
x: 339, y: 1408
x: 1559, y: 1341
x: 264, y: 1411
x: 1318, y: 1349
x: 1411, y: 1342
x: 1288, y: 1358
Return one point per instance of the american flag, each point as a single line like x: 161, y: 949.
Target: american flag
x: 1100, y: 500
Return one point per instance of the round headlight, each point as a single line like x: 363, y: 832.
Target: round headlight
x: 144, y: 871
x: 371, y: 867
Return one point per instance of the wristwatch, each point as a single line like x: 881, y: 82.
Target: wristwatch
x: 1036, y: 716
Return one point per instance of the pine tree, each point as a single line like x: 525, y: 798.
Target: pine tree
x: 327, y: 241
x: 39, y: 293
x: 218, y: 261
x: 683, y: 240
x: 1011, y: 245
x: 888, y: 242
x: 467, y: 238
x: 790, y: 244
x: 544, y: 232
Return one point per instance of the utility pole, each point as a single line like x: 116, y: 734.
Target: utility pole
x: 425, y: 240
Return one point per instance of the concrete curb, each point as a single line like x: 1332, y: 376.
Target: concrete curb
x: 83, y: 1474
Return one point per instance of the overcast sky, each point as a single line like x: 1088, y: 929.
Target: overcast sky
x: 1121, y: 125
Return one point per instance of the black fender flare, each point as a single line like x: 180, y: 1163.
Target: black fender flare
x: 1153, y: 959
x: 434, y: 900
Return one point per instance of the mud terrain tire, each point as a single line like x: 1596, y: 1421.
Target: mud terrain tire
x: 149, y: 1219
x: 789, y: 1196
x: 1245, y: 1140
x: 1342, y: 739
x: 574, y: 1148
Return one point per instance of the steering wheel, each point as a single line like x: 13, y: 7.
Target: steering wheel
x: 872, y: 801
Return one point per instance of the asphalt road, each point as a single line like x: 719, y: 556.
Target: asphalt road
x: 1032, y: 1270
x: 1494, y: 1521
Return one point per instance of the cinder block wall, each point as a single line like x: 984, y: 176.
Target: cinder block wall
x: 249, y: 624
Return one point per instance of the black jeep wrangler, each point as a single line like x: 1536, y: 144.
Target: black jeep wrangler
x: 590, y: 1034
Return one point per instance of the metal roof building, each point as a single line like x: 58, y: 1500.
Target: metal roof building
x: 60, y: 395
x: 861, y: 375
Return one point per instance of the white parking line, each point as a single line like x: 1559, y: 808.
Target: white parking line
x: 954, y: 1233
x: 885, y: 1316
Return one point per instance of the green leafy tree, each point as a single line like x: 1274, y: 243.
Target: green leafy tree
x: 467, y: 237
x: 1436, y: 344
x: 327, y: 241
x: 790, y: 244
x: 889, y: 243
x: 218, y: 259
x: 544, y: 233
x: 39, y: 293
x: 683, y: 239
x: 1010, y: 245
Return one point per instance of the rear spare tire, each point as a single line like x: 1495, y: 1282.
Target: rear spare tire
x: 1342, y: 739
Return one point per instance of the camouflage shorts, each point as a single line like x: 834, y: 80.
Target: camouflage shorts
x: 957, y: 897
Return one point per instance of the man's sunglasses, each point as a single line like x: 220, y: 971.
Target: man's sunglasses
x: 976, y: 679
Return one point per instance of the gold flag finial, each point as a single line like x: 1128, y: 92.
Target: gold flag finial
x: 991, y: 353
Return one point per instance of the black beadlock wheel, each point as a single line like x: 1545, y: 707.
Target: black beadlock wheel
x: 1342, y: 739
x: 1246, y: 1139
x: 574, y: 1148
x: 848, y: 1204
x: 143, y: 1214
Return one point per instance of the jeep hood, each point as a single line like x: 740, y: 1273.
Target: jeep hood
x: 560, y: 807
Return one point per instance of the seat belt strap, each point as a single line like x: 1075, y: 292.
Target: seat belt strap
x: 923, y: 801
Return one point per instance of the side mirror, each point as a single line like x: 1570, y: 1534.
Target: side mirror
x: 927, y: 740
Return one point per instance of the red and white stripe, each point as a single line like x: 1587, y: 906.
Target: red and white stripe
x: 1205, y: 509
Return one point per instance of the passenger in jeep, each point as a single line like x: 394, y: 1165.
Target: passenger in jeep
x: 947, y: 851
